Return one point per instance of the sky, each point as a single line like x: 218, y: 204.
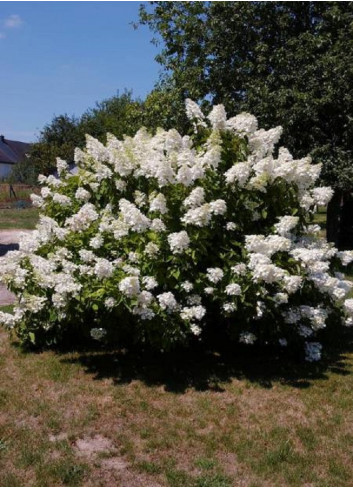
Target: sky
x: 63, y: 57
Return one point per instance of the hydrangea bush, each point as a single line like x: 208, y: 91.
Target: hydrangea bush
x: 159, y: 238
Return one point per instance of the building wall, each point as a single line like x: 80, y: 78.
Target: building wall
x: 5, y: 169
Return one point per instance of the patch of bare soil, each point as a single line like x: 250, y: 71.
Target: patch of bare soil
x: 114, y: 463
x: 109, y: 471
x: 116, y: 475
x: 58, y: 437
x: 91, y: 446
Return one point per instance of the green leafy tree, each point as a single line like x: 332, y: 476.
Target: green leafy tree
x: 119, y: 115
x: 57, y: 139
x: 165, y: 107
x: 289, y: 63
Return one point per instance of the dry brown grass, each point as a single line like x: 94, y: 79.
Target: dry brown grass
x: 116, y: 418
x: 121, y: 419
x: 16, y: 192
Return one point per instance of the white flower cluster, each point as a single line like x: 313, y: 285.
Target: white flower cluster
x: 83, y: 218
x: 215, y: 275
x: 178, y: 242
x: 286, y: 224
x: 130, y: 286
x: 313, y: 351
x: 161, y: 227
x: 167, y: 301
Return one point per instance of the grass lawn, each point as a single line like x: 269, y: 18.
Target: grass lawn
x: 19, y: 192
x: 320, y: 217
x: 117, y: 419
x: 95, y: 418
x: 18, y: 218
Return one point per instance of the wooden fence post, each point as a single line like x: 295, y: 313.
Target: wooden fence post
x: 12, y: 191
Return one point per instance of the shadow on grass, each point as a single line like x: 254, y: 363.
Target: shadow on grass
x: 209, y: 370
x: 4, y: 248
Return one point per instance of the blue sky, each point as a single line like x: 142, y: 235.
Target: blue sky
x: 62, y: 57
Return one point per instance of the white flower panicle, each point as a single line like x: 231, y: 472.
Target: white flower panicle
x: 149, y: 283
x: 196, y: 198
x: 215, y: 275
x: 233, y: 289
x: 286, y: 224
x: 346, y: 257
x: 178, y: 242
x: 199, y: 216
x: 103, y: 268
x: 61, y: 166
x: 110, y: 302
x: 133, y: 217
x: 83, y: 218
x: 322, y: 195
x: 61, y: 199
x: 159, y: 204
x: 151, y: 249
x: 194, y: 112
x: 247, y: 338
x: 238, y: 173
x: 218, y: 207
x: 243, y: 123
x: 82, y: 194
x: 130, y: 286
x: 195, y: 329
x: 96, y: 242
x: 167, y: 302
x: 193, y: 313
x: 218, y: 117
x: 187, y: 286
x: 313, y: 351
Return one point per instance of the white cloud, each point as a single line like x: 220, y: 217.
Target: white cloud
x: 13, y: 21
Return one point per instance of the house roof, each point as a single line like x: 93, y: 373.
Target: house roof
x: 12, y: 151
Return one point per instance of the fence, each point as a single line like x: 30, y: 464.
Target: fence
x: 16, y: 195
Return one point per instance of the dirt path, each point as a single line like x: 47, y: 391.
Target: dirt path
x: 9, y: 239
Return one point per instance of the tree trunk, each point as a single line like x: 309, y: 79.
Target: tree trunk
x: 346, y: 226
x: 333, y: 218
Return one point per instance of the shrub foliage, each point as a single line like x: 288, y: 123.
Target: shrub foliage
x: 162, y: 238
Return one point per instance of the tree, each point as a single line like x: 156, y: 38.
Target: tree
x: 165, y: 107
x: 289, y: 63
x: 119, y: 115
x: 57, y: 139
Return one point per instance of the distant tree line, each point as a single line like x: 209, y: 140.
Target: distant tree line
x: 120, y: 115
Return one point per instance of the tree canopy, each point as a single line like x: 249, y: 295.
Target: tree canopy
x: 289, y: 63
